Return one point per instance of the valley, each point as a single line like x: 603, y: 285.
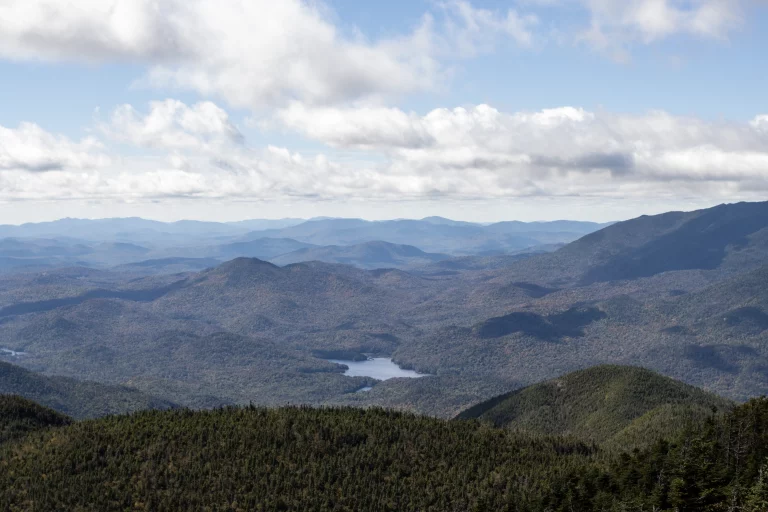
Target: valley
x: 249, y: 331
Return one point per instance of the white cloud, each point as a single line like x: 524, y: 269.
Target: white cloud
x: 471, y: 30
x: 760, y: 123
x: 30, y: 148
x: 254, y: 53
x: 171, y: 124
x: 544, y: 146
x: 364, y: 127
x: 618, y: 23
x: 250, y: 52
x: 462, y: 153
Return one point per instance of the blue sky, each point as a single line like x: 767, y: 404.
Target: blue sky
x: 484, y: 110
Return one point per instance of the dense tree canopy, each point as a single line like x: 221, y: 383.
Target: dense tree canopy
x: 354, y: 459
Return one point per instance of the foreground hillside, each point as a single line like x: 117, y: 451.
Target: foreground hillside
x: 19, y: 417
x: 286, y: 459
x: 617, y: 404
x: 352, y: 459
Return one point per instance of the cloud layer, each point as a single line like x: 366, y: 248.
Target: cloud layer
x: 655, y: 146
x: 466, y: 153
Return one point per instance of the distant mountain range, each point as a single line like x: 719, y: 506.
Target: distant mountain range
x: 366, y: 255
x: 126, y: 244
x: 435, y: 234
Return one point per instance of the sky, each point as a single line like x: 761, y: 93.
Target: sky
x: 481, y: 110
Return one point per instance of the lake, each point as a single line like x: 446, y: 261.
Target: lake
x: 379, y: 368
x: 12, y: 353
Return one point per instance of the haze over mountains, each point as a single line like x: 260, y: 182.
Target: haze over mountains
x: 156, y: 247
x: 680, y: 293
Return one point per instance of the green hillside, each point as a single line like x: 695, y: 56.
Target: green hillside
x: 297, y: 459
x: 19, y: 416
x: 79, y: 399
x: 621, y: 404
x: 254, y: 459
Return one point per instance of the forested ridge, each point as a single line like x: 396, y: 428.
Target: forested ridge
x: 19, y: 416
x: 610, y: 404
x: 356, y: 459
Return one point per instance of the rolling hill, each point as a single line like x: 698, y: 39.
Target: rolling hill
x: 618, y: 404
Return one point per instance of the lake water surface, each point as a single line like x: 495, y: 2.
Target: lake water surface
x: 12, y: 353
x: 379, y: 368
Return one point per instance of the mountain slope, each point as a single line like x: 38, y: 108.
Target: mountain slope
x: 19, y: 417
x: 79, y: 399
x: 367, y: 255
x: 286, y: 459
x: 600, y: 404
x: 728, y: 236
x: 298, y: 459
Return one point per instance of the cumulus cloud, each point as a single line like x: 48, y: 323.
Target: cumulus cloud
x: 252, y: 52
x: 171, y: 124
x: 760, y: 123
x: 385, y: 154
x: 364, y: 127
x: 30, y: 148
x: 533, y: 145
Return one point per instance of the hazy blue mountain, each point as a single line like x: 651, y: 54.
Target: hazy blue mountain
x: 262, y: 248
x: 557, y: 226
x: 261, y: 224
x: 447, y: 222
x: 367, y: 255
x: 433, y: 234
x: 106, y: 243
x: 137, y: 229
x: 168, y: 265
